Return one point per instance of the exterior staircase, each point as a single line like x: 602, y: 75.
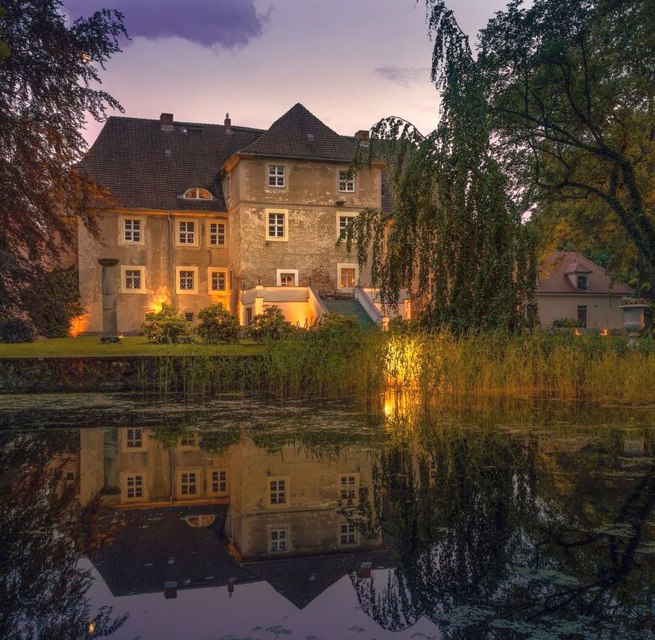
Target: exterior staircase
x: 348, y: 307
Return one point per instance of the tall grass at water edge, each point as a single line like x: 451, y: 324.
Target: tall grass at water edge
x: 358, y: 364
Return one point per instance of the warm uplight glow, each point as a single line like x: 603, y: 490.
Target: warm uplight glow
x: 577, y: 332
x: 604, y: 332
x: 157, y: 300
x: 91, y: 627
x: 79, y: 326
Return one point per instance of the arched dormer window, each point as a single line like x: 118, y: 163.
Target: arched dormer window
x: 197, y: 193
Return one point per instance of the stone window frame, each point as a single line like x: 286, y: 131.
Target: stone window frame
x: 210, y: 481
x: 178, y: 231
x: 347, y: 265
x: 218, y: 234
x: 210, y: 272
x: 133, y: 267
x: 280, y: 272
x: 184, y: 475
x: 122, y: 240
x: 272, y: 492
x: 128, y: 480
x: 274, y: 175
x: 285, y: 225
x: 274, y: 539
x: 344, y: 499
x: 344, y: 181
x: 128, y: 443
x: 343, y: 214
x: 347, y: 534
x: 178, y: 289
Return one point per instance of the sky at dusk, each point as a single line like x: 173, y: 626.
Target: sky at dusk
x: 350, y: 62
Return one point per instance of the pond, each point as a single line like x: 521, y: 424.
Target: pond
x: 237, y: 518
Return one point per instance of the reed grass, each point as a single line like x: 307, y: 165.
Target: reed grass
x: 355, y: 364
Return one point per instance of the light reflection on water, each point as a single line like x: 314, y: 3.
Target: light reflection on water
x: 239, y: 519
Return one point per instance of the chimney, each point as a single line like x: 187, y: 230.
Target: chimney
x: 166, y: 121
x: 362, y: 135
x: 228, y: 123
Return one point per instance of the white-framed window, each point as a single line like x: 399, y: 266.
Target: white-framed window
x: 276, y: 176
x: 186, y: 280
x: 134, y: 486
x: 216, y: 279
x: 187, y: 233
x: 278, y: 540
x: 134, y: 438
x: 197, y: 193
x: 346, y: 181
x: 132, y: 230
x: 276, y: 224
x: 287, y: 277
x: 348, y: 534
x: 218, y: 481
x: 342, y: 221
x: 278, y: 491
x: 347, y: 275
x: 216, y: 234
x: 133, y: 279
x: 189, y: 483
x: 348, y: 488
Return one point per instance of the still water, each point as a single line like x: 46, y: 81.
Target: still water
x: 238, y: 519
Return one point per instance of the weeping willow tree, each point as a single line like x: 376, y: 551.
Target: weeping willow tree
x: 454, y: 236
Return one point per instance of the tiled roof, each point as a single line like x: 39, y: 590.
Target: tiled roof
x: 300, y: 134
x: 145, y: 167
x: 554, y: 279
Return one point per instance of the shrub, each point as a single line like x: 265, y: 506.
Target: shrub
x: 17, y: 330
x: 218, y: 325
x: 167, y: 326
x: 270, y: 324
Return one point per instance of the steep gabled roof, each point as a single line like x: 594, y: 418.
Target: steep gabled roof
x: 557, y: 266
x: 146, y: 167
x: 300, y: 134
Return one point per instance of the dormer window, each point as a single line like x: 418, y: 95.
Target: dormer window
x: 197, y: 193
x: 582, y: 282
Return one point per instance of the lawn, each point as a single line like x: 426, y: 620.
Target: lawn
x: 130, y: 346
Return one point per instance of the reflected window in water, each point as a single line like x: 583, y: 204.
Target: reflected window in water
x: 134, y: 439
x: 219, y: 481
x: 348, y: 486
x: 134, y: 487
x: 188, y: 483
x: 347, y: 534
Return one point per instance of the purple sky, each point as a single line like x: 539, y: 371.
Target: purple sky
x: 350, y: 62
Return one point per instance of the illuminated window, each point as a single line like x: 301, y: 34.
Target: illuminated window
x: 197, y: 193
x: 132, y: 230
x: 346, y: 182
x: 218, y: 480
x: 189, y: 483
x: 348, y: 487
x: 347, y: 534
x: 186, y: 279
x: 133, y: 279
x: 134, y: 439
x: 186, y: 232
x: 277, y: 541
x: 277, y: 491
x: 134, y: 486
x: 217, y: 234
x: 217, y: 279
x: 276, y: 225
x: 276, y: 176
x: 347, y: 275
x: 287, y: 277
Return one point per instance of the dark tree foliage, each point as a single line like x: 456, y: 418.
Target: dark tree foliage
x: 44, y: 533
x: 454, y: 237
x: 46, y: 92
x: 570, y: 86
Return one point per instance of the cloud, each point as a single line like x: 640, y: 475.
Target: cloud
x: 209, y: 23
x: 404, y: 76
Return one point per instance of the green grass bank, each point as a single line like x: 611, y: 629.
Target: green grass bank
x: 349, y: 364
